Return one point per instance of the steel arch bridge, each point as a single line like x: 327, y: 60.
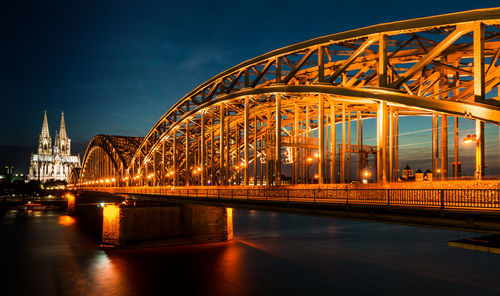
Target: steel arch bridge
x: 108, y: 156
x: 277, y: 112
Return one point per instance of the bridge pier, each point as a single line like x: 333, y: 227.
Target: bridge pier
x: 152, y: 226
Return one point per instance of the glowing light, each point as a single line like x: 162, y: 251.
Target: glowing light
x: 71, y: 201
x: 113, y: 180
x: 102, y: 205
x: 309, y: 159
x: 316, y: 155
x: 101, y: 181
x: 470, y: 138
x: 198, y: 169
x: 66, y: 220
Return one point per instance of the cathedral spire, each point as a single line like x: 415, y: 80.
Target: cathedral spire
x: 62, y: 128
x: 45, y: 142
x: 45, y: 126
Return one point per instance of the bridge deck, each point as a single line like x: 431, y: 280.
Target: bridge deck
x: 461, y: 209
x: 463, y: 199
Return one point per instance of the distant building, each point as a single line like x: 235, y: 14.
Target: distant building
x: 428, y: 175
x: 52, y: 162
x: 407, y: 173
x: 419, y: 175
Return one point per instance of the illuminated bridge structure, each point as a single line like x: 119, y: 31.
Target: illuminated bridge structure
x: 270, y: 120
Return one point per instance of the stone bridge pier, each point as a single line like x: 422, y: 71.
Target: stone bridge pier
x: 131, y: 225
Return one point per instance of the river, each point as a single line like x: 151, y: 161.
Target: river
x: 49, y: 253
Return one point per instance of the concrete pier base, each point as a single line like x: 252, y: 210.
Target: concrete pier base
x: 71, y: 204
x: 151, y: 226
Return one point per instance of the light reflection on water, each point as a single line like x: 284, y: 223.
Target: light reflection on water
x: 48, y: 253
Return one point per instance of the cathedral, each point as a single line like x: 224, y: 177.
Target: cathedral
x: 53, y: 162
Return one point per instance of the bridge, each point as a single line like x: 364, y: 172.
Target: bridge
x: 277, y: 128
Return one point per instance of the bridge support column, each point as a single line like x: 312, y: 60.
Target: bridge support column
x: 333, y: 144
x: 71, y: 203
x: 321, y: 138
x: 456, y: 151
x: 342, y: 149
x: 221, y: 146
x: 162, y: 172
x: 296, y: 154
x: 277, y: 157
x: 391, y: 164
x: 187, y: 171
x: 213, y: 181
x: 479, y: 174
x: 349, y: 147
x: 147, y: 226
x: 444, y: 146
x: 203, y: 152
x: 435, y: 145
x: 228, y: 149
x: 382, y: 128
x: 358, y: 145
x: 261, y: 167
x: 307, y: 135
x: 174, y: 158
x: 246, y: 142
x: 396, y: 145
x: 255, y: 153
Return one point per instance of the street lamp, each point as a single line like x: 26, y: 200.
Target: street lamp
x: 470, y: 138
x: 366, y: 176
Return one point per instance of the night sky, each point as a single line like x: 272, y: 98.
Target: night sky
x: 115, y: 67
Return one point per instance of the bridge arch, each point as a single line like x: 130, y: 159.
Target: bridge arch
x: 283, y: 106
x: 106, y: 159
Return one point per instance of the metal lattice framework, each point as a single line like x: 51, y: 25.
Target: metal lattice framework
x: 279, y: 109
x: 108, y: 157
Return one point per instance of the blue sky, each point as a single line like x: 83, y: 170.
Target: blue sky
x: 115, y: 67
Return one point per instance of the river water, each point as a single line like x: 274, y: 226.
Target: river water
x: 48, y: 253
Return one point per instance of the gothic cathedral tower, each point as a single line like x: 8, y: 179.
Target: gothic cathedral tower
x: 62, y: 142
x: 53, y: 163
x: 45, y: 141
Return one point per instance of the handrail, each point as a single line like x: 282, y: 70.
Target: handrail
x: 477, y: 199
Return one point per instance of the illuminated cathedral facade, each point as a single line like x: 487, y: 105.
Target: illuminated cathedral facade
x: 52, y: 162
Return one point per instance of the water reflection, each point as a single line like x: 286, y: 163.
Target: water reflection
x: 272, y: 254
x: 105, y: 277
x: 66, y: 220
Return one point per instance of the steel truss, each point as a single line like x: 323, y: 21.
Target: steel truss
x: 279, y: 110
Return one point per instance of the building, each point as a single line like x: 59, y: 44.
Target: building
x: 407, y: 173
x: 53, y: 162
x: 428, y: 175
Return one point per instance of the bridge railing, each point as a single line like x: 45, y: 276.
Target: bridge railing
x: 437, y: 198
